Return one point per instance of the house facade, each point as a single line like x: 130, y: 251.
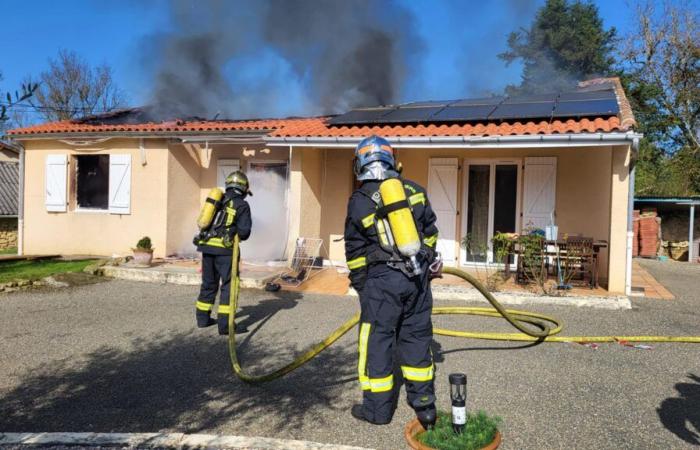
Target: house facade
x: 99, y: 186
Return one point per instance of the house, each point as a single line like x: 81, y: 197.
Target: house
x: 490, y: 165
x: 9, y: 194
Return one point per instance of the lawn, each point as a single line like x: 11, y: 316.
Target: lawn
x: 32, y: 270
x: 8, y: 251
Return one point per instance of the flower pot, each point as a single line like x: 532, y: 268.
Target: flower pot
x: 414, y: 427
x: 142, y: 256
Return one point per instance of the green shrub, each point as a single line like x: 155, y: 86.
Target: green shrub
x: 144, y: 243
x: 478, y: 432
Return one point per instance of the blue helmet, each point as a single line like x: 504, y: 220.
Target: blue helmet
x: 371, y: 149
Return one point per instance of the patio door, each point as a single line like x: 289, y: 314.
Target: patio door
x: 491, y: 204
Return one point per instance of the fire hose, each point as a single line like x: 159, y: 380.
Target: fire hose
x: 545, y: 327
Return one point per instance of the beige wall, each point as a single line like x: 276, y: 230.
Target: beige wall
x: 184, y: 197
x: 97, y: 233
x: 591, y: 192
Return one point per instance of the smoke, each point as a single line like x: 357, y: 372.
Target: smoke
x: 340, y: 53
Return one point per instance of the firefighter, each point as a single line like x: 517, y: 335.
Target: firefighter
x: 231, y: 216
x: 394, y: 290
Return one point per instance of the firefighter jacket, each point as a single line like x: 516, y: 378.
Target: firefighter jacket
x: 363, y: 249
x: 218, y: 240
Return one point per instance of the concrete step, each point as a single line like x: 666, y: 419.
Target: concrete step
x: 250, y: 279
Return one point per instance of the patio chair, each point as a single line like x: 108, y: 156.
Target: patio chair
x: 579, y: 261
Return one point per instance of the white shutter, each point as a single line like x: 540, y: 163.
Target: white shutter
x: 56, y: 183
x: 539, y: 195
x: 223, y: 168
x: 442, y: 191
x: 120, y: 184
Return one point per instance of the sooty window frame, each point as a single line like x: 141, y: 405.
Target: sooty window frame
x: 92, y: 182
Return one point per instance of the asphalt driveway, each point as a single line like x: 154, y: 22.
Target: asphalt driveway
x: 125, y: 357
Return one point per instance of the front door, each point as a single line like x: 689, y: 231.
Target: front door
x: 491, y: 205
x: 268, y: 206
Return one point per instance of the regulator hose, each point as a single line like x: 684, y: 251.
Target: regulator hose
x: 542, y: 328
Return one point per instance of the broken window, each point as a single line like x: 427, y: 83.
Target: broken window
x: 92, y: 181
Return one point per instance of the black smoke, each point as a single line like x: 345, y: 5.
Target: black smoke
x: 345, y: 53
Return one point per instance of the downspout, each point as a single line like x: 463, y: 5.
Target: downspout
x: 630, y: 223
x: 20, y: 204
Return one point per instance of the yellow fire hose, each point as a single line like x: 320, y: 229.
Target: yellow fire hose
x: 543, y: 332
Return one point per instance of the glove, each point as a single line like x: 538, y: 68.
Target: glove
x: 228, y: 241
x: 196, y: 239
x: 358, y: 279
x: 435, y: 268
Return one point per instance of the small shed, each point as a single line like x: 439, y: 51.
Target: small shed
x: 679, y: 220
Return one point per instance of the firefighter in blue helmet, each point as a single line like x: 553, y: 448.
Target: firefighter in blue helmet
x: 216, y: 244
x: 395, y: 297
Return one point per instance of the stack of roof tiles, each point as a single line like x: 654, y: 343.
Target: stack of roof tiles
x: 649, y: 228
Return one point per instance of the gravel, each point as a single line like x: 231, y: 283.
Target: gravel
x: 124, y: 356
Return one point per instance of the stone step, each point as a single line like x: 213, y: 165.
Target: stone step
x: 173, y: 275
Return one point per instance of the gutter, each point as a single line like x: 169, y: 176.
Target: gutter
x: 203, y: 135
x: 528, y: 140
x: 20, y: 203
x: 630, y: 223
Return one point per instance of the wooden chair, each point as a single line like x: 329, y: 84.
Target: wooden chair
x: 579, y: 262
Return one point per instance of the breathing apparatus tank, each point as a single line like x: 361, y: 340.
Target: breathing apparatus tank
x: 401, y: 221
x: 206, y: 215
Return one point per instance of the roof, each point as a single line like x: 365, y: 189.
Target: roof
x: 9, y: 188
x: 319, y: 126
x: 9, y: 146
x: 659, y: 199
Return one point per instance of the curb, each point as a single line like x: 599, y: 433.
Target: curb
x: 509, y: 298
x: 163, y: 440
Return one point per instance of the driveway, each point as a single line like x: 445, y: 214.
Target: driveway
x: 123, y: 356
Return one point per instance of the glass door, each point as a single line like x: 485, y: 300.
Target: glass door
x: 491, y: 203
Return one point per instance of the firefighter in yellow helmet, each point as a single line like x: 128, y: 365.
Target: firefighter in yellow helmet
x: 230, y: 215
x: 390, y: 238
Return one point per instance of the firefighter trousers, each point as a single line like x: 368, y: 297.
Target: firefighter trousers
x: 396, y: 311
x: 216, y: 269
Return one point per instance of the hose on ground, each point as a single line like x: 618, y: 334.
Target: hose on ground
x: 541, y: 328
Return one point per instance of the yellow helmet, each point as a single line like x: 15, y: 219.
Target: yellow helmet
x: 238, y: 181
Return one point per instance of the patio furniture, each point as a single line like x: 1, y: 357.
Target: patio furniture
x: 578, y: 261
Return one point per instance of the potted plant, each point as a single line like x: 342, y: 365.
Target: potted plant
x: 480, y: 433
x: 143, y: 253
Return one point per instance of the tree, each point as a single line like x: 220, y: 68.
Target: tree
x: 565, y: 44
x: 661, y: 63
x: 8, y: 101
x: 71, y: 88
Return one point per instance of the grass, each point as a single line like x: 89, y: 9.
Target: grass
x: 32, y: 270
x: 478, y: 432
x: 8, y: 251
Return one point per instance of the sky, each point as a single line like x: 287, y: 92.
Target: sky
x: 458, y: 52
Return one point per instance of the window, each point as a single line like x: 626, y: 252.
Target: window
x: 92, y: 181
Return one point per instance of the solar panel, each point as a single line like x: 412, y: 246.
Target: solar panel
x: 410, y: 114
x: 463, y: 113
x: 427, y: 103
x: 522, y: 111
x: 589, y: 95
x: 360, y: 116
x: 607, y: 107
x: 478, y: 101
x: 536, y: 98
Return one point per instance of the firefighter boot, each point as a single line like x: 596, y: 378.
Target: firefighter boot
x: 427, y: 416
x: 357, y: 411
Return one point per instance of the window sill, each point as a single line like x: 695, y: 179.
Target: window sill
x: 90, y: 211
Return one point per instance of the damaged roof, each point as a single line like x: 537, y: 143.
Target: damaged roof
x: 126, y: 122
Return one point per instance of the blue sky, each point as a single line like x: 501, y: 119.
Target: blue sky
x: 461, y: 41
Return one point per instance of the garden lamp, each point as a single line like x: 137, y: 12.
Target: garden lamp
x: 458, y: 393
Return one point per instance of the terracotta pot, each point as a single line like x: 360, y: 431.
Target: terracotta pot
x: 414, y: 427
x: 142, y: 257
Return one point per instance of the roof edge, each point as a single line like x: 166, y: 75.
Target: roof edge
x: 627, y: 119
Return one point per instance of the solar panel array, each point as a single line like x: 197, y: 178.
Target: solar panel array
x: 576, y: 104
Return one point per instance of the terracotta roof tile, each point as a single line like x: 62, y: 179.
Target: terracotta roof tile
x: 318, y: 127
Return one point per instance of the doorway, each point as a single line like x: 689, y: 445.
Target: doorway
x: 268, y: 206
x: 491, y: 204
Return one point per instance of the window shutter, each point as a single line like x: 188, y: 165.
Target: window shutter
x: 539, y: 196
x: 56, y: 183
x: 120, y: 184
